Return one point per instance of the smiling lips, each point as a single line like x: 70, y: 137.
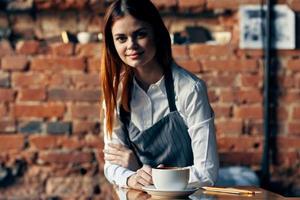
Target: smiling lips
x: 135, y: 55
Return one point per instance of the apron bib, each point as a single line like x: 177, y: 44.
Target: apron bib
x: 167, y: 142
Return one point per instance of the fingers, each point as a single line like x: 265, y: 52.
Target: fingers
x: 144, y: 174
x: 119, y: 147
x: 110, y: 157
x: 147, y: 169
x: 116, y: 149
x: 112, y: 152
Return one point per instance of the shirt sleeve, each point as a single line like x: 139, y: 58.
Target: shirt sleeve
x: 200, y: 121
x: 115, y: 174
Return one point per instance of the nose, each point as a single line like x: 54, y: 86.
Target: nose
x: 132, y: 43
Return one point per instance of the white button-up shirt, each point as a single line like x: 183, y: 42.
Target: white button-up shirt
x: 191, y: 101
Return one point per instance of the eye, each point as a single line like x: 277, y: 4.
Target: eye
x: 121, y: 39
x: 142, y: 34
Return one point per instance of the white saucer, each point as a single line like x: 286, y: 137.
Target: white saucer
x: 159, y: 194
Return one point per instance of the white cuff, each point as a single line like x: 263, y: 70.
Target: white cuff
x: 122, y: 182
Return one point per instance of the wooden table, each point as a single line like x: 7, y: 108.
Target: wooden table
x: 261, y: 194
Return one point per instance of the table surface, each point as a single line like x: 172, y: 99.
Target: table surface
x: 260, y: 194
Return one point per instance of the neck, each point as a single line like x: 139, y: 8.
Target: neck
x: 148, y: 75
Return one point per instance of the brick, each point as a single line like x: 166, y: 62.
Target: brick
x: 229, y: 127
x: 253, y: 128
x: 219, y: 80
x: 29, y: 80
x: 180, y: 52
x: 290, y: 96
x: 94, y: 64
x: 88, y: 50
x: 191, y: 3
x: 248, y: 112
x: 250, y: 53
x: 190, y: 65
x: 28, y: 47
x: 14, y: 63
x: 282, y: 113
x: 44, y: 142
x: 227, y: 96
x: 7, y: 95
x: 297, y: 82
x: 3, y: 110
x: 23, y: 25
x: 296, y: 112
x: 240, y: 144
x: 62, y: 49
x: 205, y: 51
x: 5, y: 48
x: 7, y: 126
x: 59, y: 127
x: 85, y: 111
x: 61, y: 80
x: 94, y: 141
x: 294, y: 5
x: 41, y: 110
x: 293, y: 128
x: 38, y: 94
x: 58, y: 64
x: 74, y: 95
x: 230, y: 4
x: 161, y: 4
x: 86, y: 80
x: 292, y: 53
x: 249, y: 80
x: 85, y: 127
x: 71, y: 143
x: 72, y: 187
x: 100, y: 159
x: 240, y: 158
x: 212, y: 96
x: 286, y: 159
x: 222, y: 111
x: 288, y: 143
x: 30, y: 127
x: 294, y: 65
x: 230, y: 65
x: 11, y: 142
x: 286, y: 81
x: 241, y: 96
x: 4, y: 79
x: 63, y: 157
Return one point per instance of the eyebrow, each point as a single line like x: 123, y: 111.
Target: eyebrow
x: 134, y: 32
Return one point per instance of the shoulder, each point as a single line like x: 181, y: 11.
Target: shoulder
x: 185, y: 81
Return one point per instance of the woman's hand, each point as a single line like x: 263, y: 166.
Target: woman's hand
x: 142, y: 177
x: 118, y: 154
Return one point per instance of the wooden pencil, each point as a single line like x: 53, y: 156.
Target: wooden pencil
x: 228, y: 190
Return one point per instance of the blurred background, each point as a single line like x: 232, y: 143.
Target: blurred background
x: 51, y: 136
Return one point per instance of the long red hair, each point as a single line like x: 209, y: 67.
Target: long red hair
x: 113, y: 70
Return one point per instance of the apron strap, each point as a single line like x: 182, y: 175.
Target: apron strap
x: 169, y: 84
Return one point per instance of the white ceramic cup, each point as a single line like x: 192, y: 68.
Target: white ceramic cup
x: 84, y: 37
x: 170, y: 178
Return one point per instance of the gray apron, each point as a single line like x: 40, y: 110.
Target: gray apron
x: 167, y: 142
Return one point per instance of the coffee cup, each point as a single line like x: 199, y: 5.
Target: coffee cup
x: 84, y: 37
x: 170, y: 178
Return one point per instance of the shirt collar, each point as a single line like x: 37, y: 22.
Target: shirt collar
x: 160, y: 83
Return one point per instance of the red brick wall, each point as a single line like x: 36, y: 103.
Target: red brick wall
x: 49, y: 97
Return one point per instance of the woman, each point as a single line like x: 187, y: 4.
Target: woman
x: 156, y: 113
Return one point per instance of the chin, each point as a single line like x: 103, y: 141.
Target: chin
x: 134, y: 64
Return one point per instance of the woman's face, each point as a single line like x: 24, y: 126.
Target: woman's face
x: 134, y: 41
